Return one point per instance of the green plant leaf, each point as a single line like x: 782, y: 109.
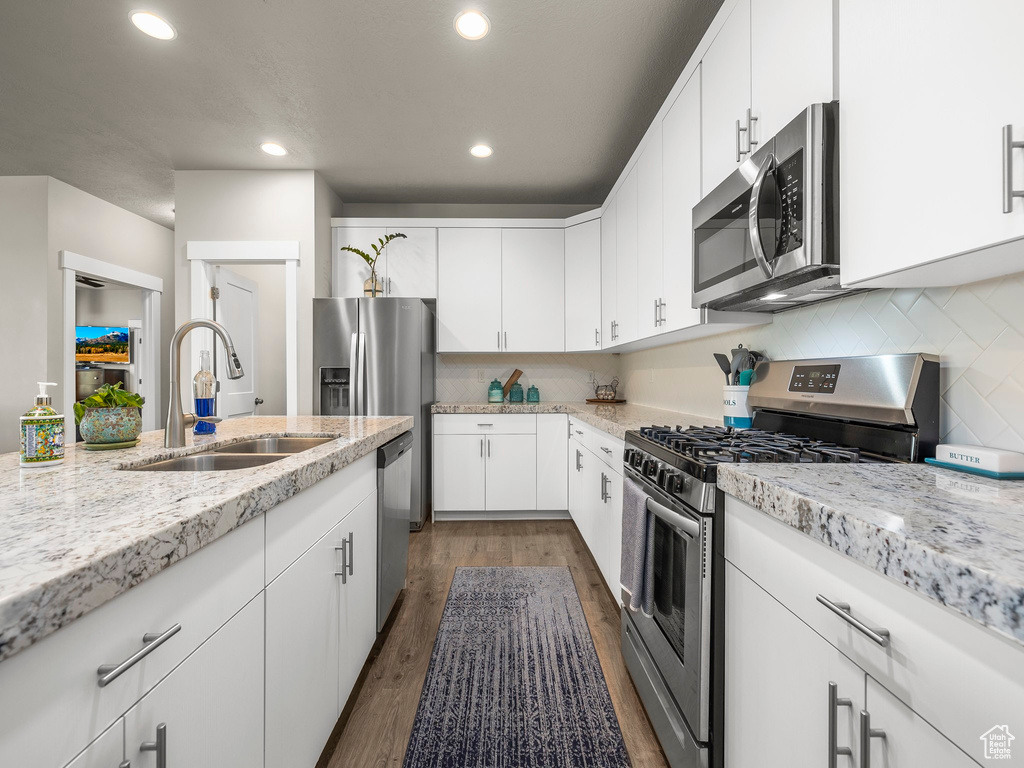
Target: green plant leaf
x: 79, y: 412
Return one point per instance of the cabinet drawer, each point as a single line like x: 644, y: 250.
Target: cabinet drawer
x: 51, y: 706
x: 485, y: 424
x: 957, y: 675
x: 297, y: 523
x: 608, y: 449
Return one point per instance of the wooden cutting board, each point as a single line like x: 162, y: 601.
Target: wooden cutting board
x: 595, y: 401
x: 512, y: 380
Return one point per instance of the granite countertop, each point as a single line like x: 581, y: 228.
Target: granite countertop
x: 613, y: 419
x: 957, y: 538
x: 74, y: 536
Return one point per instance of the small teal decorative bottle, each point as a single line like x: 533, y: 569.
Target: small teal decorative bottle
x: 533, y: 395
x: 515, y: 393
x: 496, y: 392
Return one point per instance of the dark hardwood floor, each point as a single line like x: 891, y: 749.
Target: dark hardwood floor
x: 375, y: 727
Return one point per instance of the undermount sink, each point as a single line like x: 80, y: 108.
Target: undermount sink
x: 211, y: 462
x: 275, y: 445
x: 243, y: 455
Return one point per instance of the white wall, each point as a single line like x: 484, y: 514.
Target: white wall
x: 23, y: 309
x: 84, y: 224
x: 256, y: 205
x: 108, y: 306
x: 977, y: 330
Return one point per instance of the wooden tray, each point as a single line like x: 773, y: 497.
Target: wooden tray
x: 595, y: 401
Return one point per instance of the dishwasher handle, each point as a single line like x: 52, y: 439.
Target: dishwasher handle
x: 389, y: 453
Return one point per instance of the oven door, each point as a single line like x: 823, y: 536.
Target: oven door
x: 678, y: 634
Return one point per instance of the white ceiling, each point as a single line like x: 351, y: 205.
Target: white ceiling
x: 380, y: 96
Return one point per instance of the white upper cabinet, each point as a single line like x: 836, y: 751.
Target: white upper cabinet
x: 412, y: 263
x: 349, y: 271
x: 533, y: 290
x: 609, y: 291
x: 791, y: 60
x: 626, y: 260
x: 583, y: 287
x: 725, y: 97
x: 681, y: 170
x: 926, y: 87
x: 469, y: 290
x: 650, y: 262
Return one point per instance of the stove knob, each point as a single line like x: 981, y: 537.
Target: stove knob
x: 638, y: 460
x: 676, y: 484
x: 663, y: 476
x: 627, y: 456
x: 650, y: 467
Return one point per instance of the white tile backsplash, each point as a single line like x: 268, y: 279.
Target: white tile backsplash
x: 977, y: 330
x: 559, y: 377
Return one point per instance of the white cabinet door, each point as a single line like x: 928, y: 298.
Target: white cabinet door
x: 613, y: 533
x: 725, y: 97
x: 777, y: 675
x: 576, y: 482
x: 910, y: 742
x: 511, y: 472
x: 212, y: 704
x: 412, y: 263
x: 594, y: 509
x: 784, y: 79
x: 552, y: 458
x: 303, y: 637
x: 926, y: 87
x: 681, y: 164
x: 609, y: 289
x: 650, y: 257
x: 358, y: 594
x: 626, y: 260
x: 533, y: 290
x: 106, y: 752
x: 469, y: 290
x: 349, y: 271
x: 459, y: 470
x: 583, y: 287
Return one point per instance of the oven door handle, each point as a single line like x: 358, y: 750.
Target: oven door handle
x: 753, y: 228
x: 685, y: 524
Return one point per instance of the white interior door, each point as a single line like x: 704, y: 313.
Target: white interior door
x: 237, y: 309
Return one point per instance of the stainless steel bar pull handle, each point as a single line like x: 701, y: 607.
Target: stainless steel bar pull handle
x: 842, y: 610
x: 506, y: 340
x: 657, y: 322
x: 605, y: 496
x: 499, y: 340
x: 488, y: 448
x: 578, y: 457
x: 867, y: 733
x: 481, y: 447
x: 351, y: 553
x: 834, y: 702
x: 751, y: 143
x: 1008, y: 146
x: 343, y: 571
x: 606, y: 450
x: 597, y: 337
x: 159, y: 746
x: 389, y: 286
x: 110, y: 672
x: 125, y: 764
x: 740, y: 152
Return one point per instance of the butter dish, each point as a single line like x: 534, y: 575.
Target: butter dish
x: 979, y: 460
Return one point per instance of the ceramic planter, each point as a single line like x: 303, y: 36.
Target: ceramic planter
x: 111, y: 425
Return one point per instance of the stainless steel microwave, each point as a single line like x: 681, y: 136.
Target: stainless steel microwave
x: 767, y: 238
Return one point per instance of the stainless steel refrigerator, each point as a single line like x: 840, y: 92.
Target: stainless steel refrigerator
x: 375, y: 357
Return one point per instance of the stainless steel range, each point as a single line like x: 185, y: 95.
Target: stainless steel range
x: 861, y: 409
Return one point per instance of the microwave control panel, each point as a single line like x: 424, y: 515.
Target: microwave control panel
x: 814, y: 378
x: 789, y: 178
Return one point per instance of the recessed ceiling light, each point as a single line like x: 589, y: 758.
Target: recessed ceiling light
x: 481, y: 150
x: 773, y: 297
x: 472, y: 25
x: 153, y: 25
x: 273, y: 149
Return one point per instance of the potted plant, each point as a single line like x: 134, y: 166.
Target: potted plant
x: 373, y: 287
x: 110, y: 416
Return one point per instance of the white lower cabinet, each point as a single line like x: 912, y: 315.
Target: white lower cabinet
x: 321, y: 622
x: 208, y: 711
x: 460, y: 467
x: 511, y: 473
x: 106, y: 752
x: 552, y: 455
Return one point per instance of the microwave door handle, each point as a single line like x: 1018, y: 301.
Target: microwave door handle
x: 685, y: 524
x: 753, y: 229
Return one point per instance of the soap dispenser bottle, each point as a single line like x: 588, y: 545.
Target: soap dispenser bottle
x: 42, y: 432
x: 204, y: 388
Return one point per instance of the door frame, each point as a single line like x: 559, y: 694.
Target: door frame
x: 202, y: 255
x: 147, y: 370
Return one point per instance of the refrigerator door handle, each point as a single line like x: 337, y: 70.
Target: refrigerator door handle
x: 362, y: 375
x: 353, y: 375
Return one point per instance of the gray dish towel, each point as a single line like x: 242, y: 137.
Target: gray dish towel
x: 637, y: 563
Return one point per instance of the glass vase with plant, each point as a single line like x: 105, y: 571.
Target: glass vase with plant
x: 373, y: 287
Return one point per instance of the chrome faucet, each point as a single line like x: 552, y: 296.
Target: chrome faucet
x: 174, y: 432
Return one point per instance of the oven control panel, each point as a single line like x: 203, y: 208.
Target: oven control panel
x: 790, y: 179
x: 814, y: 378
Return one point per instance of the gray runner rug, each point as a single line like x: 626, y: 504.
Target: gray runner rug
x: 514, y: 680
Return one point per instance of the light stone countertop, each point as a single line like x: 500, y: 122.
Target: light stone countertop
x: 957, y: 538
x: 613, y: 419
x: 74, y: 536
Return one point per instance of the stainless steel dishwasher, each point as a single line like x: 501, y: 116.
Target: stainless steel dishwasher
x: 394, y: 503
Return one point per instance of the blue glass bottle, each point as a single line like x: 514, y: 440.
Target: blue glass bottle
x: 204, y: 387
